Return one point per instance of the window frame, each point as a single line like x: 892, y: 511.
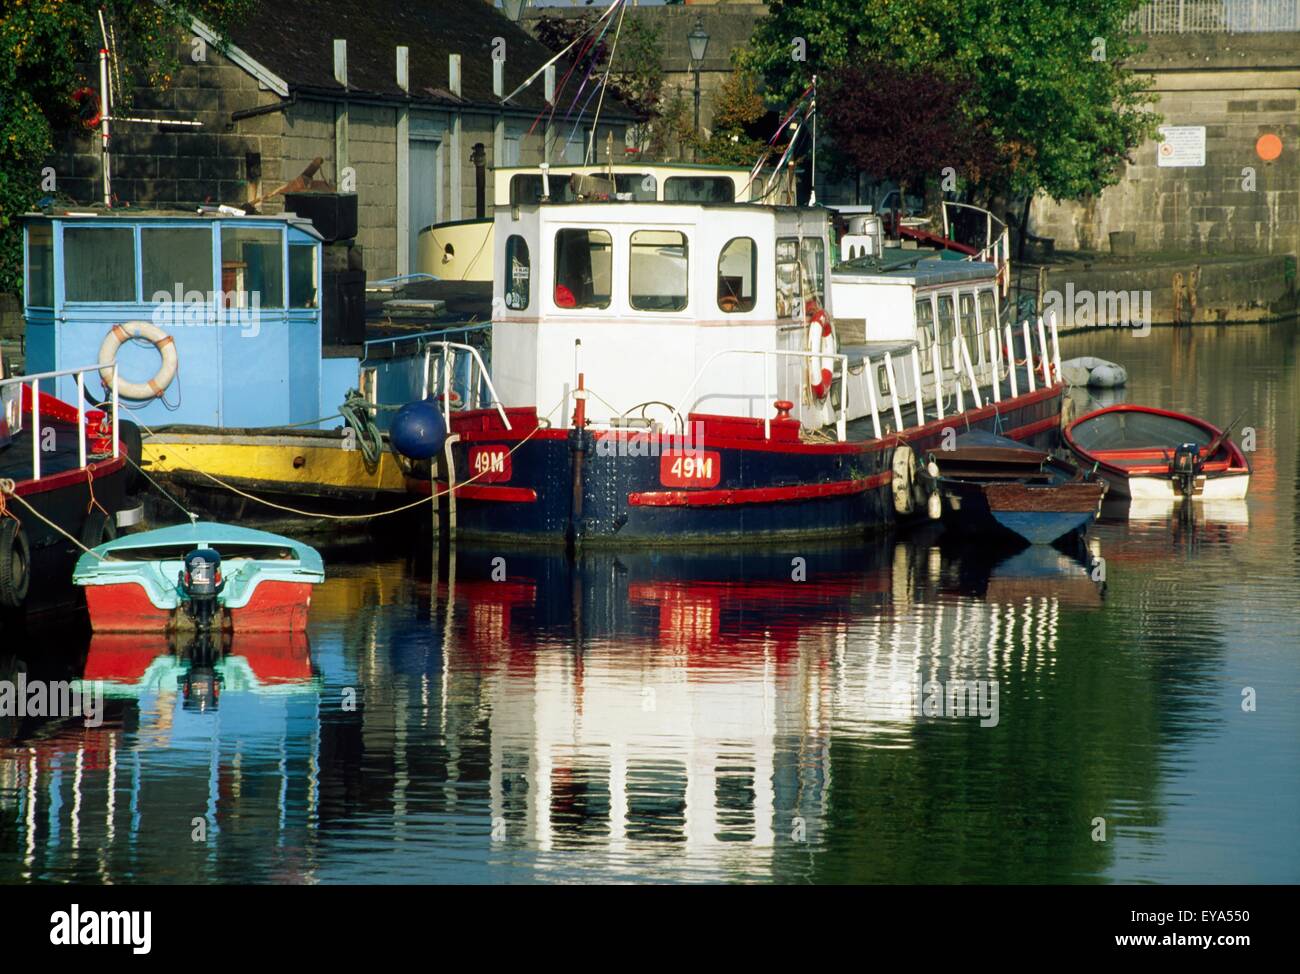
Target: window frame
x: 134, y: 231
x: 555, y: 268
x: 753, y: 273
x: 796, y: 311
x: 686, y: 249
x: 509, y: 276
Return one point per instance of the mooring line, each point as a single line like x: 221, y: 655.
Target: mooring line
x: 433, y: 495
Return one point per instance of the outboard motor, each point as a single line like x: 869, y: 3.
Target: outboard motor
x: 202, y: 583
x: 201, y: 690
x: 1185, y: 467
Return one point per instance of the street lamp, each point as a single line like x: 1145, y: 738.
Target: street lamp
x: 698, y: 42
x: 513, y: 9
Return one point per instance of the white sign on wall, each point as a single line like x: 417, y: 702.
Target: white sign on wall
x: 1183, y: 145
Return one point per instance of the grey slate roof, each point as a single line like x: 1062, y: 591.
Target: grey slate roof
x: 296, y: 42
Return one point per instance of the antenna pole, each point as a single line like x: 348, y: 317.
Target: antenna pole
x: 104, y: 108
x: 812, y: 196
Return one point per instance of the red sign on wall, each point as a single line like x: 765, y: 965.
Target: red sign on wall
x: 701, y: 469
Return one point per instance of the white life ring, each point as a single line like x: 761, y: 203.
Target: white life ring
x: 162, y: 341
x: 821, y: 342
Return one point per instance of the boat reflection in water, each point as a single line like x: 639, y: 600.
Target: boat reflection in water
x: 187, y: 723
x: 669, y: 715
x: 700, y: 705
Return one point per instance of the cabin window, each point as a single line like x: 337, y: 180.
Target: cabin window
x: 882, y: 381
x: 99, y: 264
x: 925, y: 333
x: 302, y: 276
x: 737, y: 272
x: 988, y: 309
x: 40, y: 265
x: 658, y: 272
x: 788, y: 286
x: 812, y: 251
x: 583, y: 264
x: 947, y: 329
x: 969, y: 326
x: 518, y: 273
x: 251, y: 269
x: 175, y: 259
x: 699, y: 189
x: 527, y: 188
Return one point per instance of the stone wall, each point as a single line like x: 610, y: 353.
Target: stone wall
x: 1239, y: 87
x: 154, y: 167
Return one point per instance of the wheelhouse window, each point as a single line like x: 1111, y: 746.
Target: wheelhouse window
x: 925, y: 333
x: 789, y: 288
x: 812, y: 251
x: 518, y: 273
x: 969, y: 326
x: 947, y: 329
x: 99, y: 264
x: 303, y: 287
x: 658, y: 272
x: 988, y: 309
x: 40, y: 265
x: 173, y: 258
x: 699, y: 189
x: 251, y: 268
x: 737, y: 274
x: 583, y: 265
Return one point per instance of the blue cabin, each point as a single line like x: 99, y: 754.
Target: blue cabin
x: 237, y: 299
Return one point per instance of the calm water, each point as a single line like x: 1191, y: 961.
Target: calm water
x: 709, y: 717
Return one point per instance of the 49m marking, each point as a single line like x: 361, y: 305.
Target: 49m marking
x: 701, y: 469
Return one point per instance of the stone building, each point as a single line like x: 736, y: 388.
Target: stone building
x: 393, y: 95
x: 1226, y: 91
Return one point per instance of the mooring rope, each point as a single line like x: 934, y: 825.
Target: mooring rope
x: 8, y: 488
x: 433, y: 495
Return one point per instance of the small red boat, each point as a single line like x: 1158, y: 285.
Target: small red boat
x: 1146, y: 453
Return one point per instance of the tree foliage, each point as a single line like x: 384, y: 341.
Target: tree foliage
x: 737, y: 107
x: 1047, y: 78
x: 47, y: 51
x: 637, y: 76
x: 904, y: 124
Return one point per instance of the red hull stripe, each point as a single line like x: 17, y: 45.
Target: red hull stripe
x: 71, y: 478
x: 476, y: 492
x: 756, y: 495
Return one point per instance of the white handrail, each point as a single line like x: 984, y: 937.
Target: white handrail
x: 871, y: 395
x: 446, y: 378
x: 35, y: 380
x: 916, y: 375
x: 895, y: 393
x: 937, y: 366
x: 1056, y: 345
x: 1029, y: 354
x: 841, y: 424
x: 995, y: 363
x: 1043, y: 358
x: 1011, y: 362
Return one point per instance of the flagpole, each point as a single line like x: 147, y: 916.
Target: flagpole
x: 812, y: 197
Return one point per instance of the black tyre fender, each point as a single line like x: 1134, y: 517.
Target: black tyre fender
x: 15, y: 564
x: 129, y: 434
x: 99, y: 528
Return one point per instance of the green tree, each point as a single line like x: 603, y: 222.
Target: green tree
x: 1048, y: 79
x: 47, y: 52
x: 737, y: 107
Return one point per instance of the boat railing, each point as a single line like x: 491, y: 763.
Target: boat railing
x: 841, y: 423
x: 477, y: 378
x: 34, y: 383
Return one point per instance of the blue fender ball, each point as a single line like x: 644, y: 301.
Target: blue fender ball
x: 418, y: 430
